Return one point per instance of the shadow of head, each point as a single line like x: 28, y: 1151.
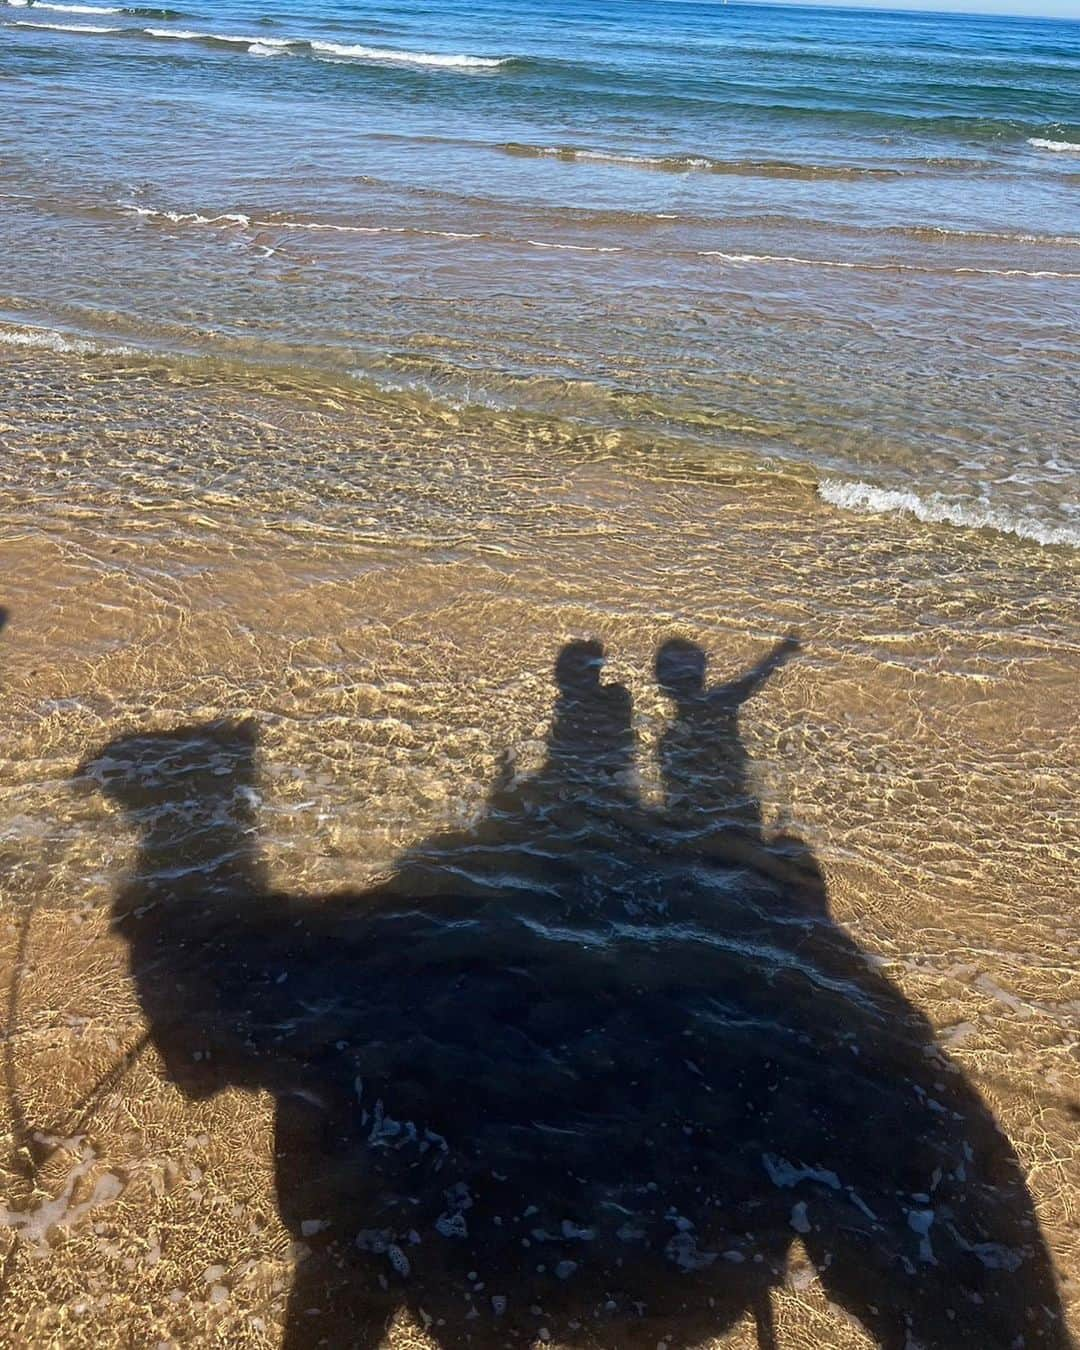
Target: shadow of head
x: 194, y: 887
x: 680, y: 669
x: 578, y: 666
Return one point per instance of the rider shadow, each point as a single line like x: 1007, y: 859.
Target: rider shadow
x: 583, y: 1072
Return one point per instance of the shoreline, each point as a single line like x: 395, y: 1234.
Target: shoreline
x: 664, y: 451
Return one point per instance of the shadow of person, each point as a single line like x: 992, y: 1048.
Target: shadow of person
x: 570, y: 1103
x: 703, y: 761
x: 548, y: 828
x: 710, y: 805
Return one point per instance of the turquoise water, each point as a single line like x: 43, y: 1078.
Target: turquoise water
x: 841, y: 244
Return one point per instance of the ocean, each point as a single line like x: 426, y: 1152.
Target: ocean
x: 840, y: 245
x: 539, y: 754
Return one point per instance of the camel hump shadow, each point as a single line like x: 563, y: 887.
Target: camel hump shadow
x: 582, y: 1070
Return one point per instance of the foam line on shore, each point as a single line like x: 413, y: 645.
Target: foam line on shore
x: 796, y: 261
x: 934, y: 509
x: 47, y: 339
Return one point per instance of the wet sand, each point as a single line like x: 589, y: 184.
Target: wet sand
x: 384, y: 588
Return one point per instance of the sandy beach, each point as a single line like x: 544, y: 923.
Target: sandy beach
x: 391, y: 632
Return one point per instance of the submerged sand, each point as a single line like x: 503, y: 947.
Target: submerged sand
x: 384, y: 589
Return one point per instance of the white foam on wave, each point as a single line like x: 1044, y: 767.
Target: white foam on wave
x: 67, y: 9
x: 238, y: 218
x: 942, y: 232
x: 1060, y: 147
x: 793, y: 260
x: 189, y: 35
x: 45, y: 339
x: 266, y: 46
x: 185, y: 217
x: 937, y: 510
x: 355, y: 52
x: 574, y: 248
x: 64, y: 27
x: 648, y: 161
x: 236, y: 39
x: 261, y: 46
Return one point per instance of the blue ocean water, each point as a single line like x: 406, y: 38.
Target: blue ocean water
x: 844, y: 242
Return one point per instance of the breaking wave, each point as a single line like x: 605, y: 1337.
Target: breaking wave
x: 937, y: 510
x: 336, y: 50
x: 46, y: 339
x: 64, y: 27
x: 1061, y: 147
x: 134, y: 11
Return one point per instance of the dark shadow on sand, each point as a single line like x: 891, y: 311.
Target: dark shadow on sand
x: 583, y: 1071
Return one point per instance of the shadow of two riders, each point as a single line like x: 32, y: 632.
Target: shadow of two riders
x: 583, y: 1071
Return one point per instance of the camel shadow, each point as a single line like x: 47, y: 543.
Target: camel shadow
x: 584, y: 1071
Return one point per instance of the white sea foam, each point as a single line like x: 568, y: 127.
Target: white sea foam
x: 793, y: 260
x: 649, y: 161
x: 185, y: 217
x: 329, y: 227
x: 68, y: 9
x: 1061, y: 147
x: 614, y: 157
x: 64, y: 27
x: 574, y: 248
x: 238, y: 218
x: 44, y: 339
x: 260, y: 46
x: 236, y: 39
x: 937, y: 510
x: 189, y: 35
x: 354, y: 52
x: 266, y: 46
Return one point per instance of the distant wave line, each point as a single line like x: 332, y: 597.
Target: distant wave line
x: 698, y: 163
x: 346, y: 51
x: 1061, y: 147
x: 135, y: 11
x: 67, y: 9
x: 794, y: 260
x: 64, y: 27
x: 265, y: 46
